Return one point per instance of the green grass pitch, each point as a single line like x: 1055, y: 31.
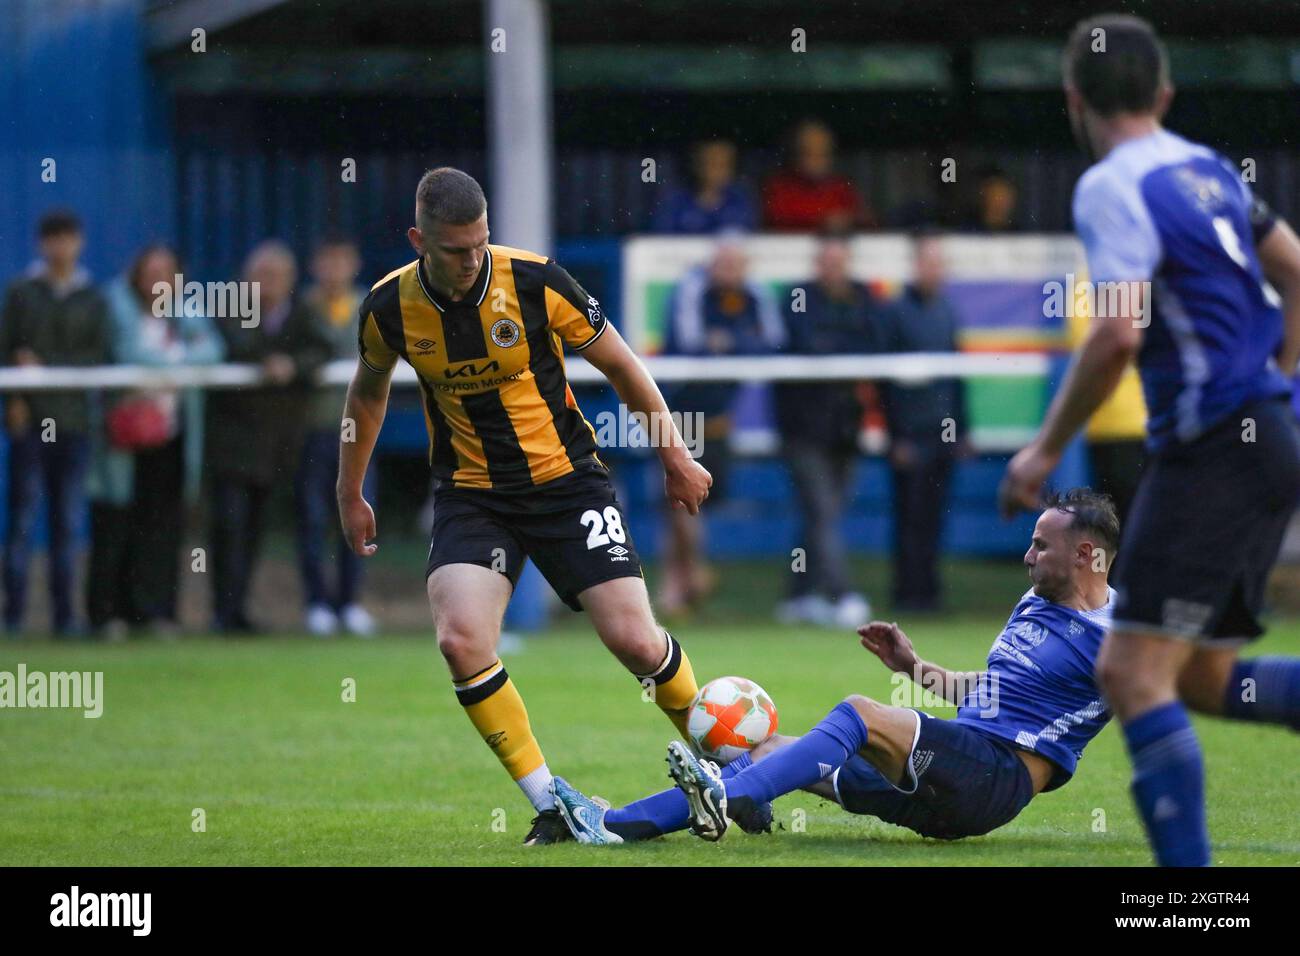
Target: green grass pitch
x: 257, y: 735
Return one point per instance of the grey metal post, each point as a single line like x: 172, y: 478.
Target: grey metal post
x: 519, y: 123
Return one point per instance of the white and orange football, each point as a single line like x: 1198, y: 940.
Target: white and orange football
x: 729, y: 716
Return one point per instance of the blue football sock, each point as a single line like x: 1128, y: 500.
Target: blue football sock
x: 737, y: 765
x: 1265, y: 689
x: 813, y: 756
x: 1169, y: 784
x: 665, y: 812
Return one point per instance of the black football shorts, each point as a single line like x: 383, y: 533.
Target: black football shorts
x: 573, y: 528
x: 1206, y: 527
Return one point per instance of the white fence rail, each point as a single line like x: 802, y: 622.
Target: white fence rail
x: 911, y: 368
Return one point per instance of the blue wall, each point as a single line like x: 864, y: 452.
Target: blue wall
x: 74, y: 87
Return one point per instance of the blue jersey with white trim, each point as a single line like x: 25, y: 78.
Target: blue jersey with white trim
x: 1038, y: 691
x: 1165, y: 210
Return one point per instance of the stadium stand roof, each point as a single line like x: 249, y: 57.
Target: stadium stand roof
x: 319, y: 23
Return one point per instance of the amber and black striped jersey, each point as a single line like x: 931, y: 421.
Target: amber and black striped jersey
x: 497, y: 404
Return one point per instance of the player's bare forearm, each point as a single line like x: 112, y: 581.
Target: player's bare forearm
x: 686, y: 482
x: 363, y: 417
x: 953, y: 686
x: 636, y: 389
x: 1110, y: 346
x: 887, y: 641
x: 1279, y: 255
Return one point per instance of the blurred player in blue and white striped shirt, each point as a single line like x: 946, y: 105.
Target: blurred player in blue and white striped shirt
x: 1188, y: 266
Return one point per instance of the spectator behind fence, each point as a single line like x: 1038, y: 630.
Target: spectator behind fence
x: 334, y: 300
x: 254, y: 434
x: 716, y: 310
x: 807, y: 195
x: 147, y: 458
x: 994, y: 208
x: 819, y: 425
x: 52, y: 316
x: 927, y: 424
x: 715, y: 201
x: 1116, y: 433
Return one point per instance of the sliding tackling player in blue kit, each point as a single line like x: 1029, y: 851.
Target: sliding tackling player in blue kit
x: 1020, y: 729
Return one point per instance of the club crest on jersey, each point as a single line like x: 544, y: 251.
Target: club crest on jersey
x: 1025, y: 635
x: 1205, y: 191
x: 505, y: 333
x: 593, y: 312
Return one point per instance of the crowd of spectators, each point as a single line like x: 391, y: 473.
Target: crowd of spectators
x: 808, y: 192
x: 717, y: 309
x: 136, y: 458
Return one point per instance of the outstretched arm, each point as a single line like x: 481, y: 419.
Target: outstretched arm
x: 686, y: 481
x: 1279, y: 255
x: 1111, y: 345
x: 888, y: 642
x: 363, y: 416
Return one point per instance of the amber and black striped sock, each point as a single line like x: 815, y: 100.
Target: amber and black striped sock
x: 497, y: 712
x: 674, y: 684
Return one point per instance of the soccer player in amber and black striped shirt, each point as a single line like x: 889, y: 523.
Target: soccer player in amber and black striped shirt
x: 515, y: 464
